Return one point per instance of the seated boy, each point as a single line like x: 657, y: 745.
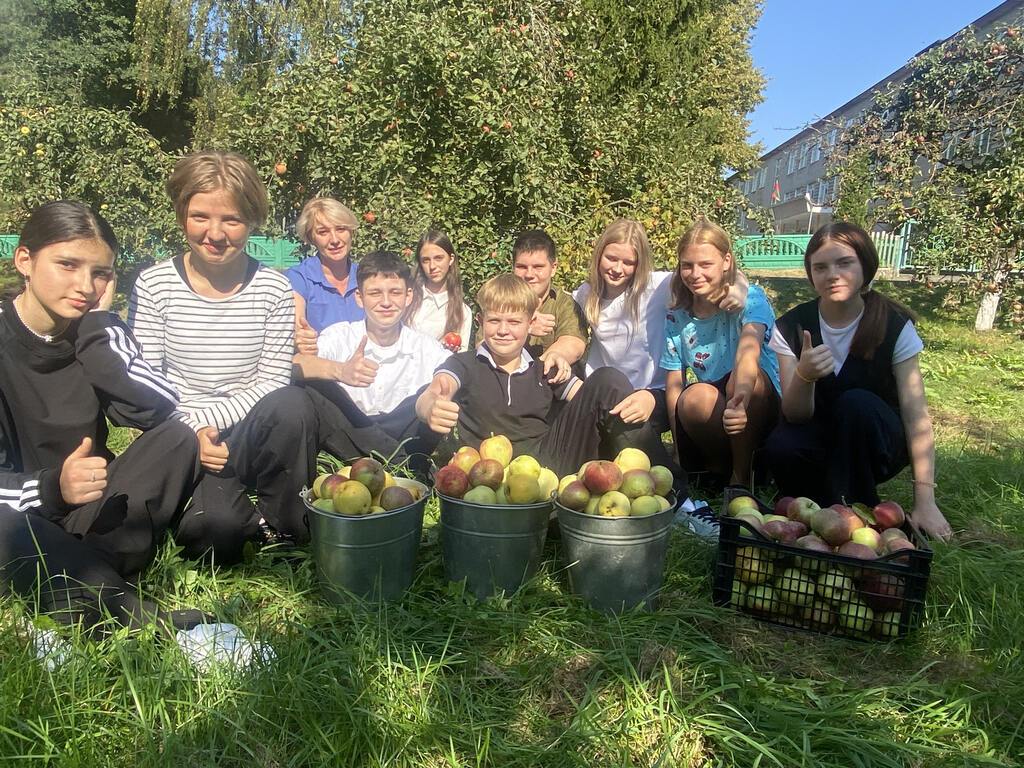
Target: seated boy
x: 500, y: 388
x: 381, y: 364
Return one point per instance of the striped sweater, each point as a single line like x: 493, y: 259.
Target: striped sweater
x: 53, y: 394
x: 222, y: 355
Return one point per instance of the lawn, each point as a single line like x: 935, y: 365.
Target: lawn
x: 439, y: 679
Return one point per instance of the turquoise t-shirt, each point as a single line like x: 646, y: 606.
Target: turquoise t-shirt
x: 708, y: 345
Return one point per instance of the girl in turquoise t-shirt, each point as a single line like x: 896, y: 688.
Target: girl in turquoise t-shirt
x: 734, y: 404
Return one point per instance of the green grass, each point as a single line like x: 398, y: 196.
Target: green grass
x: 536, y: 679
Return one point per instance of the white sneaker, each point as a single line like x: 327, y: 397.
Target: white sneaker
x: 698, y: 518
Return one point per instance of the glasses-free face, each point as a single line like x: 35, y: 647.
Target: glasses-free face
x: 704, y: 269
x: 617, y: 267
x: 384, y: 299
x: 215, y: 229
x: 332, y: 241
x: 64, y: 280
x: 535, y: 268
x: 836, y: 272
x: 505, y: 333
x: 435, y: 262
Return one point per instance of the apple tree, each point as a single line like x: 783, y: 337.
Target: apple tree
x: 945, y: 150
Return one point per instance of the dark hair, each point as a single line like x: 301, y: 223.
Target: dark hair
x: 64, y: 220
x: 452, y: 282
x: 871, y: 331
x: 534, y: 240
x: 382, y: 264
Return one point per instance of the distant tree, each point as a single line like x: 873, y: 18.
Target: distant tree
x: 945, y: 149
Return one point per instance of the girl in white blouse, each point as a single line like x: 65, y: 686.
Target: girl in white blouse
x: 438, y: 309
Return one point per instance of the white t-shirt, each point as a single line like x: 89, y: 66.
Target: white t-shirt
x: 432, y: 316
x: 405, y: 367
x: 617, y: 342
x: 839, y: 340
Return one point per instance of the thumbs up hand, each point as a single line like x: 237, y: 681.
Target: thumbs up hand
x: 83, y: 477
x: 435, y: 406
x: 734, y: 418
x: 815, y: 362
x: 358, y: 371
x: 305, y: 337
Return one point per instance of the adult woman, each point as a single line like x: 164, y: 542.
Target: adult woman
x: 437, y: 307
x: 722, y: 417
x: 69, y: 510
x: 220, y: 326
x: 324, y: 284
x: 852, y: 393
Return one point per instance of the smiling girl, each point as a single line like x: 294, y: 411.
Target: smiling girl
x: 721, y: 418
x: 220, y: 326
x: 69, y: 510
x: 437, y: 307
x: 852, y: 393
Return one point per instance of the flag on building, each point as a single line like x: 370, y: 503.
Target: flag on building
x: 776, y: 192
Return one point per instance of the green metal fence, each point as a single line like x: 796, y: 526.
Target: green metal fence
x: 7, y: 245
x: 787, y: 251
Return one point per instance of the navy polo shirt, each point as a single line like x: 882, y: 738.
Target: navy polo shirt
x: 492, y: 401
x: 324, y: 304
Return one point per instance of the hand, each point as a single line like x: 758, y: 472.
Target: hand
x: 635, y: 408
x: 444, y: 412
x: 558, y: 364
x: 815, y: 362
x: 357, y: 371
x: 107, y: 298
x: 83, y: 477
x: 734, y: 419
x: 305, y: 337
x: 734, y: 299
x: 213, y: 454
x: 542, y: 324
x: 930, y: 520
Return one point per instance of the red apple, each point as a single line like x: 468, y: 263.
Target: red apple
x: 859, y: 551
x: 889, y: 514
x: 802, y: 509
x: 465, y: 458
x: 782, y: 506
x: 882, y: 591
x: 602, y: 477
x: 451, y: 481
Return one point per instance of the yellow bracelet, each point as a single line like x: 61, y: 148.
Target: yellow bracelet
x: 802, y: 377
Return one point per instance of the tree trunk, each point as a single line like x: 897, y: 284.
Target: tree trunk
x: 986, y: 316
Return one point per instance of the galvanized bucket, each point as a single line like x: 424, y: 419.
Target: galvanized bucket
x: 616, y: 563
x: 493, y: 547
x: 372, y: 557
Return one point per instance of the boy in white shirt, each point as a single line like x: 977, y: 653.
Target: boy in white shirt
x: 382, y: 364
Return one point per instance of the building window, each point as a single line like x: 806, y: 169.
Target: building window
x: 983, y: 141
x: 816, y: 152
x: 804, y: 152
x: 791, y: 165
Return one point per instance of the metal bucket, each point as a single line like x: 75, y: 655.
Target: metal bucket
x: 493, y: 547
x: 616, y: 563
x: 372, y: 557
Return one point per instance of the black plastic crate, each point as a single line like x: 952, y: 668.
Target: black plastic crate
x: 821, y: 591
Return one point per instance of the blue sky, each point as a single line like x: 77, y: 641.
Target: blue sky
x: 819, y: 55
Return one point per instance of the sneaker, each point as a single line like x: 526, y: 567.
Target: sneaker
x: 698, y: 518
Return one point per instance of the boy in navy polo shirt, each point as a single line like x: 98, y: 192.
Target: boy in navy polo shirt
x: 500, y: 388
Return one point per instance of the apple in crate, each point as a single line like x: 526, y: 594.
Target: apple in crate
x: 802, y: 508
x: 888, y: 514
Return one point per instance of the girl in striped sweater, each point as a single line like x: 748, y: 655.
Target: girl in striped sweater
x: 220, y: 326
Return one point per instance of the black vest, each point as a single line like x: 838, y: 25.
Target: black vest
x: 874, y: 375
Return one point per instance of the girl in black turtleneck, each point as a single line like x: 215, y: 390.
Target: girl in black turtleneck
x: 76, y: 524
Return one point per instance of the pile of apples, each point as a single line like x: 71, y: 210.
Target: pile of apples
x: 626, y: 487
x: 491, y: 476
x: 364, y: 488
x: 816, y: 592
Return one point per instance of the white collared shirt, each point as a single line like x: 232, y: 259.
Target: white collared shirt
x: 432, y: 316
x: 405, y: 367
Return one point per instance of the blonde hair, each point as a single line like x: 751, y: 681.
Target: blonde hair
x: 507, y: 293
x: 214, y: 171
x: 327, y: 210
x: 633, y: 234
x: 701, y: 232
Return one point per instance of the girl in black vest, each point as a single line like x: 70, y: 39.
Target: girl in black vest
x: 853, y: 397
x: 77, y: 525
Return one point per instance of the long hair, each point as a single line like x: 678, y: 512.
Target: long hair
x: 871, y: 331
x: 452, y: 282
x: 633, y: 234
x: 701, y: 232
